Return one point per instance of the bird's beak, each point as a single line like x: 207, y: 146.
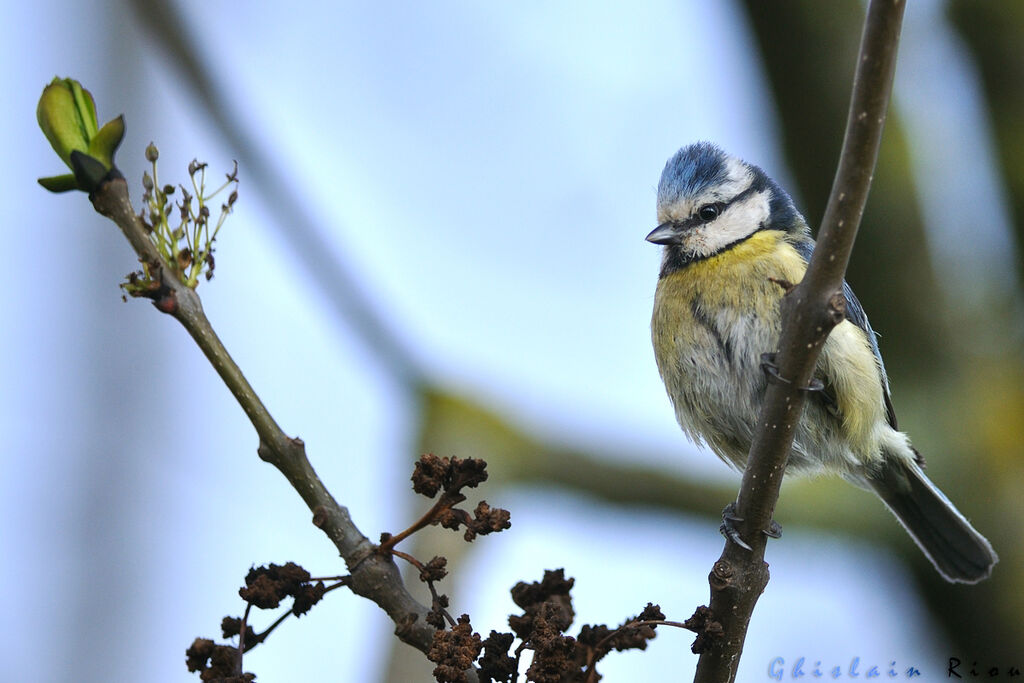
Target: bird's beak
x: 666, y: 233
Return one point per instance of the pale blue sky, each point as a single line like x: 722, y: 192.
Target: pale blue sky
x: 488, y: 172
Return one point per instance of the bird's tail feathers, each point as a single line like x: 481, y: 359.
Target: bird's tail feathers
x: 957, y: 550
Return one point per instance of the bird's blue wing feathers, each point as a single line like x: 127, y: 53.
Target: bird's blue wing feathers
x: 856, y: 315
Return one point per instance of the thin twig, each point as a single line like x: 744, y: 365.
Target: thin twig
x: 260, y: 637
x: 445, y: 502
x: 435, y: 597
x: 373, y: 575
x: 241, y: 637
x: 809, y: 312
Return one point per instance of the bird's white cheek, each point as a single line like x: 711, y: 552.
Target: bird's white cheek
x: 740, y: 220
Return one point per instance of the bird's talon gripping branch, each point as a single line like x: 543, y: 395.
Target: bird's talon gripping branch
x: 772, y: 371
x: 728, y: 527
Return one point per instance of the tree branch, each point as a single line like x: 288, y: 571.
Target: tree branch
x: 809, y: 312
x: 373, y: 575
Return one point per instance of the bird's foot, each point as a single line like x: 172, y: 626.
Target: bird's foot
x: 771, y: 370
x: 729, y: 530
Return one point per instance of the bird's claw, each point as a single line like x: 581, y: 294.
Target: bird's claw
x: 729, y: 530
x: 771, y: 370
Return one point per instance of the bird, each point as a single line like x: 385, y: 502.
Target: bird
x: 731, y: 241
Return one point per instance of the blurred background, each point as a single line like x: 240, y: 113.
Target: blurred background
x: 439, y: 247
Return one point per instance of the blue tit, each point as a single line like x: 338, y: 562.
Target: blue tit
x: 730, y: 236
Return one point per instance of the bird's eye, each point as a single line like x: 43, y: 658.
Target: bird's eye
x: 708, y: 212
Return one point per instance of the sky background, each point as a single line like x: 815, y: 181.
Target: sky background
x: 488, y: 173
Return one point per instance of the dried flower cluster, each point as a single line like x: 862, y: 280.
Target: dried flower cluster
x: 541, y: 628
x: 265, y: 588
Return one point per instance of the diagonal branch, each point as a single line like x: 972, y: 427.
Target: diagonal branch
x: 373, y: 575
x: 809, y: 312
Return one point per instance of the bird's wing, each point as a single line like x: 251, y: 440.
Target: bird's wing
x: 856, y: 315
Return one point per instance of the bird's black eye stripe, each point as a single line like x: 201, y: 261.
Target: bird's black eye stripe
x: 709, y: 212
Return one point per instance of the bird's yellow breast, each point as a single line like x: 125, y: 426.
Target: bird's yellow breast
x: 714, y: 317
x: 744, y: 270
x: 738, y: 280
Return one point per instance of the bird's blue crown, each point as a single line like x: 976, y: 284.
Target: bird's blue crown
x: 691, y: 171
x: 702, y: 172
